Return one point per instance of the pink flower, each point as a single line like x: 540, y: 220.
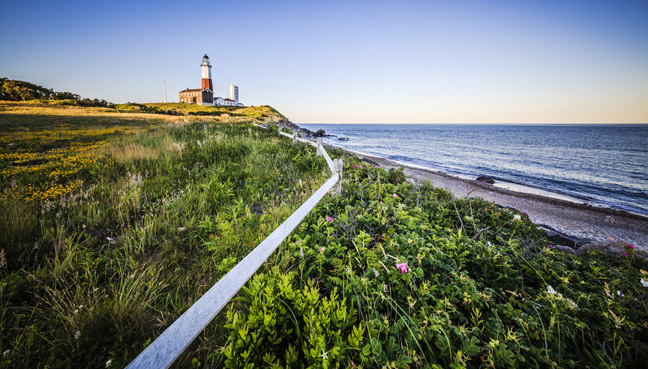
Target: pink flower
x: 624, y: 254
x: 329, y: 219
x: 361, y: 167
x: 398, y: 179
x: 353, y: 165
x: 402, y: 267
x: 395, y: 196
x: 631, y: 246
x: 375, y: 166
x: 549, y: 245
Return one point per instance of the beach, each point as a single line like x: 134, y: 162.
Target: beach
x: 579, y: 222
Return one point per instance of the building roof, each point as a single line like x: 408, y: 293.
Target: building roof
x: 195, y: 89
x: 228, y: 99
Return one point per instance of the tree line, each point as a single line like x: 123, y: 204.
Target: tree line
x: 13, y: 90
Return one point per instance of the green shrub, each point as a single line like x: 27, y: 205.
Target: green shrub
x: 453, y: 283
x: 287, y: 327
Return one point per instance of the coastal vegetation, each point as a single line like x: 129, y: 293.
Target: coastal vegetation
x: 111, y: 226
x: 35, y: 95
x: 13, y: 90
x: 115, y: 220
x: 394, y: 275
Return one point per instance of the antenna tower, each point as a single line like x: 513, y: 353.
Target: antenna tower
x: 165, y: 95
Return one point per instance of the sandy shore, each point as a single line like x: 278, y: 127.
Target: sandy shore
x: 578, y: 221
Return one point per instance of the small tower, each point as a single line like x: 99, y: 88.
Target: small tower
x: 234, y: 93
x: 206, y: 74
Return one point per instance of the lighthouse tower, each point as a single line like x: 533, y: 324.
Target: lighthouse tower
x: 206, y: 74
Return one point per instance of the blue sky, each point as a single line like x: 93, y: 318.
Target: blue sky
x: 348, y: 61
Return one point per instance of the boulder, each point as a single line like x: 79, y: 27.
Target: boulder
x: 485, y: 179
x: 565, y: 249
x: 320, y: 133
x: 616, y: 247
x: 556, y: 237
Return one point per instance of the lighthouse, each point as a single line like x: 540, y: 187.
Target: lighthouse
x: 206, y: 74
x: 205, y: 94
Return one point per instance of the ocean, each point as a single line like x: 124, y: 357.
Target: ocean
x: 601, y: 165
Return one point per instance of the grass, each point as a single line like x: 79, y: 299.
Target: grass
x: 114, y: 224
x: 421, y: 279
x: 145, y: 212
x: 230, y: 114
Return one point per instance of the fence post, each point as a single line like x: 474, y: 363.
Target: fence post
x: 319, y: 146
x: 339, y: 164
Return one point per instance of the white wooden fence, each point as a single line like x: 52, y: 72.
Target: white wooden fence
x: 162, y: 352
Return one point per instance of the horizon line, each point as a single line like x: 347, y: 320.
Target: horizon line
x: 474, y: 123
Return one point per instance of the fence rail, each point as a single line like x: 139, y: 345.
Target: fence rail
x: 162, y: 352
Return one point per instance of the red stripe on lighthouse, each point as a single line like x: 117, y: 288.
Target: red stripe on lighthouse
x: 207, y: 83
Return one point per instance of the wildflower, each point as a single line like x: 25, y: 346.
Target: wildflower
x: 402, y: 267
x: 7, y: 352
x: 353, y: 165
x: 631, y: 246
x: 77, y: 335
x: 624, y: 254
x: 644, y: 282
x: 76, y: 311
x: 572, y: 305
x: 398, y: 179
x: 324, y: 355
x: 375, y: 166
x: 620, y: 294
x: 360, y: 166
x: 395, y: 196
x: 549, y: 246
x: 551, y: 290
x: 376, y: 272
x: 517, y: 217
x: 322, y: 249
x: 111, y: 240
x: 329, y: 219
x: 108, y: 363
x: 181, y: 229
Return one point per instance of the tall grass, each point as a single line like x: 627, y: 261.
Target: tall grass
x: 94, y: 275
